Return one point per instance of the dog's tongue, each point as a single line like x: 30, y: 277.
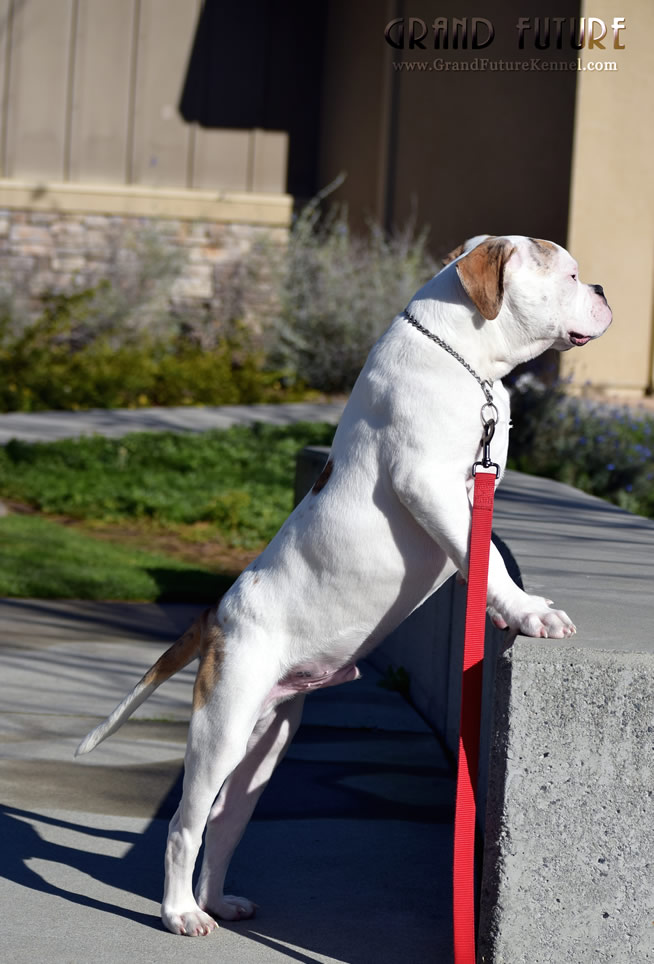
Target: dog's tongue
x: 578, y: 339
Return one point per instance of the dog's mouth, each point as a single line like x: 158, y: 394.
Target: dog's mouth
x: 578, y: 339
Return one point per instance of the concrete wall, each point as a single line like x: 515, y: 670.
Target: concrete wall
x: 570, y: 835
x: 569, y: 842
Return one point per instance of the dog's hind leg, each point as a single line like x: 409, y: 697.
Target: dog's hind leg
x: 228, y: 699
x: 233, y: 808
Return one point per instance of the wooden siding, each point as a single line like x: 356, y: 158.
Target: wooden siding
x: 90, y: 92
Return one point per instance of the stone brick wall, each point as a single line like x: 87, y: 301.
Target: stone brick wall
x: 43, y: 252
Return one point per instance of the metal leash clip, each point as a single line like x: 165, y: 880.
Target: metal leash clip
x: 489, y: 423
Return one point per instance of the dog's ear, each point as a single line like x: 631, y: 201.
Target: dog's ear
x: 454, y: 253
x: 481, y: 272
x: 465, y: 246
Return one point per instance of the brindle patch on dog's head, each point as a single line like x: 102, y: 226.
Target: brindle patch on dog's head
x: 481, y: 272
x: 323, y: 478
x: 542, y: 252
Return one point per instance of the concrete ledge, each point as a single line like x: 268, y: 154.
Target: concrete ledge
x: 594, y: 560
x: 568, y: 871
x: 569, y: 843
x: 137, y: 201
x: 569, y: 833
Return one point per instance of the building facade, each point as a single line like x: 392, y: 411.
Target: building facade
x: 207, y: 121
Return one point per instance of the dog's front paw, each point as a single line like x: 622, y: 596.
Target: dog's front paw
x: 538, y: 619
x: 229, y: 907
x: 192, y: 923
x: 497, y: 618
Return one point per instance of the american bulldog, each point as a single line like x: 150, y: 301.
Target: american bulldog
x: 384, y: 526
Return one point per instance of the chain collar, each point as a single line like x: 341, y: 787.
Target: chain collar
x: 489, y: 413
x: 484, y: 384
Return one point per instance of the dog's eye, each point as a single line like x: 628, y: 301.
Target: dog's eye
x: 574, y: 277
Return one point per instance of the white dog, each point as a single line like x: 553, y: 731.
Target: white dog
x: 385, y: 525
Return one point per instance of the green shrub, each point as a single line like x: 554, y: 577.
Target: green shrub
x: 337, y: 293
x: 322, y: 300
x: 67, y: 359
x: 606, y: 450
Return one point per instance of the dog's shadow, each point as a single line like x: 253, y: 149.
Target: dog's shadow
x: 330, y: 861
x: 23, y: 846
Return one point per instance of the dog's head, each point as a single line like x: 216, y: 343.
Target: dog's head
x: 534, y: 283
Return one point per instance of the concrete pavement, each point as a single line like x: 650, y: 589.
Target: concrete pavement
x: 351, y: 842
x: 348, y: 854
x: 593, y: 559
x: 116, y: 422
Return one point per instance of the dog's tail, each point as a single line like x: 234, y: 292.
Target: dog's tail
x: 172, y: 661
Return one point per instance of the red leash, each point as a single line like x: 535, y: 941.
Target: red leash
x: 473, y: 657
x: 471, y: 689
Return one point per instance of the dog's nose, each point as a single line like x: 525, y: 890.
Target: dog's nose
x: 599, y: 290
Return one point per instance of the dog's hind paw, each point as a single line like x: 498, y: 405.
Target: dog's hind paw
x: 194, y: 923
x: 229, y: 907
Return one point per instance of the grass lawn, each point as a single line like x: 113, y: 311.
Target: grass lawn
x: 48, y: 560
x: 152, y: 516
x: 239, y: 480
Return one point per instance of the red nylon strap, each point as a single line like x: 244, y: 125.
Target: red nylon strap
x: 473, y: 655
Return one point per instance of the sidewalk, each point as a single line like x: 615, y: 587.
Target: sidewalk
x: 348, y: 854
x: 116, y: 422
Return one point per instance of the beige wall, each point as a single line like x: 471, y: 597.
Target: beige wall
x: 612, y: 200
x: 486, y: 152
x: 136, y: 201
x: 561, y: 155
x: 36, y: 107
x: 89, y: 102
x: 356, y: 104
x: 463, y: 152
x: 101, y: 61
x: 163, y: 145
x: 89, y: 94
